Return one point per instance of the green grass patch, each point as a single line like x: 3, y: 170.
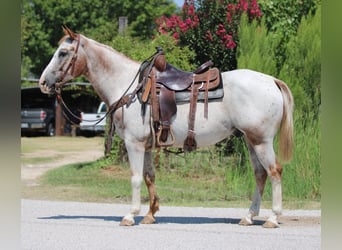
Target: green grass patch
x: 202, y: 178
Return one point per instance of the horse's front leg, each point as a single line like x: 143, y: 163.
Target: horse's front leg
x: 135, y: 152
x: 149, y: 177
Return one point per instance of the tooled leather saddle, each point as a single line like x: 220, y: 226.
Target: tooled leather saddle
x: 163, y: 86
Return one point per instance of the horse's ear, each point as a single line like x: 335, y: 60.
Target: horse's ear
x: 68, y: 32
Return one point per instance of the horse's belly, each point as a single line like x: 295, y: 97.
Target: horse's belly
x: 207, y: 131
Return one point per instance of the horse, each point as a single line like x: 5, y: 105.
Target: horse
x: 258, y: 105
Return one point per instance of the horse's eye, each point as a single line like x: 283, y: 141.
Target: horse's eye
x: 62, y: 53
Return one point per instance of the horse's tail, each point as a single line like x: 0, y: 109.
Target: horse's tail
x: 286, y: 127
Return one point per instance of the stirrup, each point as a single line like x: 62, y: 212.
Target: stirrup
x: 166, y: 143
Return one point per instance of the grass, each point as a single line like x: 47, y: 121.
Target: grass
x: 100, y: 182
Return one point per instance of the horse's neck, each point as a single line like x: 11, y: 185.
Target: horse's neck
x: 109, y: 71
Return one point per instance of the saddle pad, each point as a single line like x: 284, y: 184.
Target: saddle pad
x: 184, y: 96
x: 213, y: 94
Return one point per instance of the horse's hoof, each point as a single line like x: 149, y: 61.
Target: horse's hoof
x: 245, y: 222
x: 148, y: 219
x: 126, y: 222
x: 270, y: 224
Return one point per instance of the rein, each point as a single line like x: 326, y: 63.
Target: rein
x: 125, y: 99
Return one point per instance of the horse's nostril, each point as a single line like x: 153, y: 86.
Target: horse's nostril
x: 42, y: 82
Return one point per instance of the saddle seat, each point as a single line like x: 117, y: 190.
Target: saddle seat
x: 178, y: 80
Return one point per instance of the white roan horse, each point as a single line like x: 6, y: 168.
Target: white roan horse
x: 254, y: 103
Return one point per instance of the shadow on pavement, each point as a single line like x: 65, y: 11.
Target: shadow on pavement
x: 159, y: 220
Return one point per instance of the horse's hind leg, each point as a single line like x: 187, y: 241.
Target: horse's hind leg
x: 149, y: 177
x: 266, y: 157
x: 260, y: 178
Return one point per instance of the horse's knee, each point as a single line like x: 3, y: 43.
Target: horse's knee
x: 136, y: 181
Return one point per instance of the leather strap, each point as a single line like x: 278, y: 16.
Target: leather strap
x: 206, y: 98
x: 190, y: 143
x: 154, y: 102
x: 205, y: 66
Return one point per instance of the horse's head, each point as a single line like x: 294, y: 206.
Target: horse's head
x: 67, y: 63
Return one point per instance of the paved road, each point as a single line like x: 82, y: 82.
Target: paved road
x: 77, y: 225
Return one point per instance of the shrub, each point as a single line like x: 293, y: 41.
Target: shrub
x: 210, y: 28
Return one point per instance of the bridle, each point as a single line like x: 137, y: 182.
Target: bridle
x: 125, y: 99
x: 71, y: 62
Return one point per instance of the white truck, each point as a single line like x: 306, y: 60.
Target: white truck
x: 89, y: 124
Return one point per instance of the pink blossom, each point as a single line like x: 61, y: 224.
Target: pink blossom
x: 243, y: 5
x: 188, y: 21
x: 195, y: 22
x: 221, y: 30
x: 231, y: 44
x: 183, y: 26
x: 230, y: 7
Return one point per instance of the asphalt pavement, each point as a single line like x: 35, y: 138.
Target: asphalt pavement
x: 79, y: 225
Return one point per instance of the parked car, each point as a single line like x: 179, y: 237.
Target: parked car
x: 89, y: 123
x: 38, y: 120
x: 37, y: 113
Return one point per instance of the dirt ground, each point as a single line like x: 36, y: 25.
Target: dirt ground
x: 60, y: 151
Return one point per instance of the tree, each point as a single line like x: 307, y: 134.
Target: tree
x: 136, y: 49
x: 283, y: 17
x: 255, y: 43
x: 98, y: 19
x: 302, y: 66
x: 210, y: 28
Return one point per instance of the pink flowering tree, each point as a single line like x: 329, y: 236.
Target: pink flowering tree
x: 210, y: 28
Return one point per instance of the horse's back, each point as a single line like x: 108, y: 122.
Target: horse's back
x: 248, y: 81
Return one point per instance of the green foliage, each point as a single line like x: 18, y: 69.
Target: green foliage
x: 257, y: 47
x: 139, y: 50
x: 282, y: 17
x: 98, y: 19
x: 302, y: 67
x: 302, y: 177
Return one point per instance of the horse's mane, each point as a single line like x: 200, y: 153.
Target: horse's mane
x: 65, y: 37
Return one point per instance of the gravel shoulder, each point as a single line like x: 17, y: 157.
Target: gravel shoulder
x: 56, y: 154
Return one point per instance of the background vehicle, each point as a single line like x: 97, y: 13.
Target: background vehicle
x: 37, y: 112
x: 89, y: 125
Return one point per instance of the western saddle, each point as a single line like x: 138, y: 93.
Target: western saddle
x: 163, y: 86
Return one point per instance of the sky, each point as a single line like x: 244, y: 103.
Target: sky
x: 178, y: 2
